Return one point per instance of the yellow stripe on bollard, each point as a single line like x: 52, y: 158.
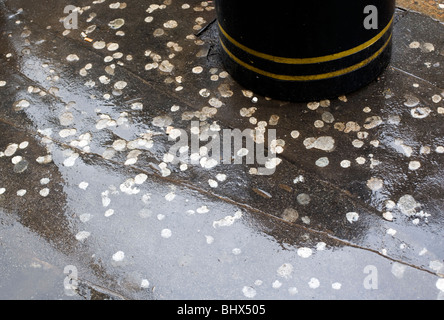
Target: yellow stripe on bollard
x: 308, y: 77
x: 327, y: 58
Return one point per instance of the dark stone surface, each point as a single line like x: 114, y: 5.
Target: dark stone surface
x: 98, y: 182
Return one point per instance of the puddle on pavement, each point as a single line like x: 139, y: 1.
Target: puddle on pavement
x: 85, y: 162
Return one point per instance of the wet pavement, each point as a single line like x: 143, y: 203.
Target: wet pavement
x: 90, y: 194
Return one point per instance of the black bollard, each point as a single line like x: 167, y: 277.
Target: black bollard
x: 305, y: 50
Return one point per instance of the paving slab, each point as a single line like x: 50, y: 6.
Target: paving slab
x: 350, y: 206
x: 432, y: 8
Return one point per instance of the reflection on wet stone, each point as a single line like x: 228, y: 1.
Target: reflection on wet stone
x: 358, y: 179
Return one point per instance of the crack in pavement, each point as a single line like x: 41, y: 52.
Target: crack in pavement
x: 230, y: 201
x: 155, y: 172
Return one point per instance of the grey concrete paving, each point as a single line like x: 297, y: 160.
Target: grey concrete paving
x: 89, y: 189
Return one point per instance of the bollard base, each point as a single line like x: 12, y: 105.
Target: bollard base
x: 304, y: 91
